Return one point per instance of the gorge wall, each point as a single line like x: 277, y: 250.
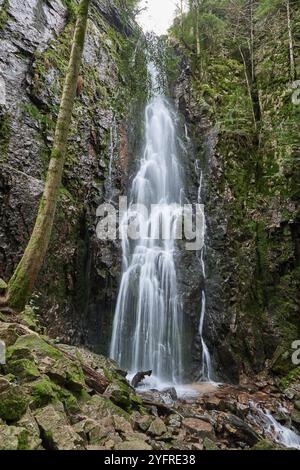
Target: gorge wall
x: 76, y: 292
x: 246, y: 134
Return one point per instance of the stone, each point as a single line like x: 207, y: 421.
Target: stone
x: 133, y: 445
x: 266, y: 444
x: 57, y: 433
x: 241, y: 430
x: 297, y: 405
x: 10, y: 332
x: 169, y: 395
x: 136, y: 436
x: 13, y: 402
x: 13, y: 438
x: 67, y: 373
x: 121, y: 424
x: 29, y: 423
x: 174, y: 421
x: 24, y: 369
x: 199, y: 427
x: 157, y: 427
x: 143, y: 422
x: 208, y: 444
x: 99, y: 407
x: 296, y: 417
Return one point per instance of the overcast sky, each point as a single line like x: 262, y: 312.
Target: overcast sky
x: 158, y: 16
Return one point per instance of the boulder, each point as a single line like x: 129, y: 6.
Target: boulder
x: 133, y: 445
x: 157, y: 427
x: 198, y: 427
x: 13, y: 401
x: 99, y: 407
x: 13, y: 438
x: 57, y: 433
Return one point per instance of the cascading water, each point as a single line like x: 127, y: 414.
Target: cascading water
x: 147, y: 329
x: 273, y: 429
x: 206, y: 370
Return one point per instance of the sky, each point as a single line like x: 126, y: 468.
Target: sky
x: 158, y: 16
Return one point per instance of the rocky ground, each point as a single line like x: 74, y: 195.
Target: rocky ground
x: 60, y: 397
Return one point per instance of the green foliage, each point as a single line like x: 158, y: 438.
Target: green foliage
x: 267, y: 7
x: 4, y: 135
x: 4, y: 14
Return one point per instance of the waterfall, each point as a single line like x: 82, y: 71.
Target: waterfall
x: 206, y: 366
x: 273, y: 429
x: 147, y: 328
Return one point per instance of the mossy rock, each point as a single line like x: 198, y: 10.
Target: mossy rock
x: 67, y: 373
x: 34, y: 344
x: 29, y: 319
x: 24, y: 369
x: 43, y: 392
x: 14, y: 438
x: 13, y: 403
x: 266, y: 444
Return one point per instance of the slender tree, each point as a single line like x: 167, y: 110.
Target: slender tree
x: 22, y: 282
x: 291, y: 42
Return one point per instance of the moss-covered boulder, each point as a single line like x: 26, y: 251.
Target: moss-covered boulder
x: 13, y: 401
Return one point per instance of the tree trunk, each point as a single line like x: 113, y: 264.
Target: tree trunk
x: 291, y: 45
x: 248, y: 87
x: 22, y: 282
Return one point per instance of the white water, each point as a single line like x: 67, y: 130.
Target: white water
x: 274, y: 430
x: 206, y: 369
x: 147, y: 329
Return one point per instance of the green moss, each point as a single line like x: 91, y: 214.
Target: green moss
x: 13, y: 404
x: 3, y: 284
x: 72, y: 7
x: 23, y: 440
x: 293, y: 375
x: 43, y: 392
x: 4, y: 14
x: 24, y: 369
x: 36, y: 344
x: 4, y: 136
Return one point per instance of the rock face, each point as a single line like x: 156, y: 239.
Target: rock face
x: 250, y: 193
x: 76, y: 291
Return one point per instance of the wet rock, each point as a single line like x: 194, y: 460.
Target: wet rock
x: 199, y: 427
x: 139, y: 377
x: 174, y: 421
x: 295, y: 416
x: 240, y: 430
x: 169, y: 395
x: 157, y: 427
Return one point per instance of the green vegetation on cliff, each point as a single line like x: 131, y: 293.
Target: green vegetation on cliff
x: 244, y: 57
